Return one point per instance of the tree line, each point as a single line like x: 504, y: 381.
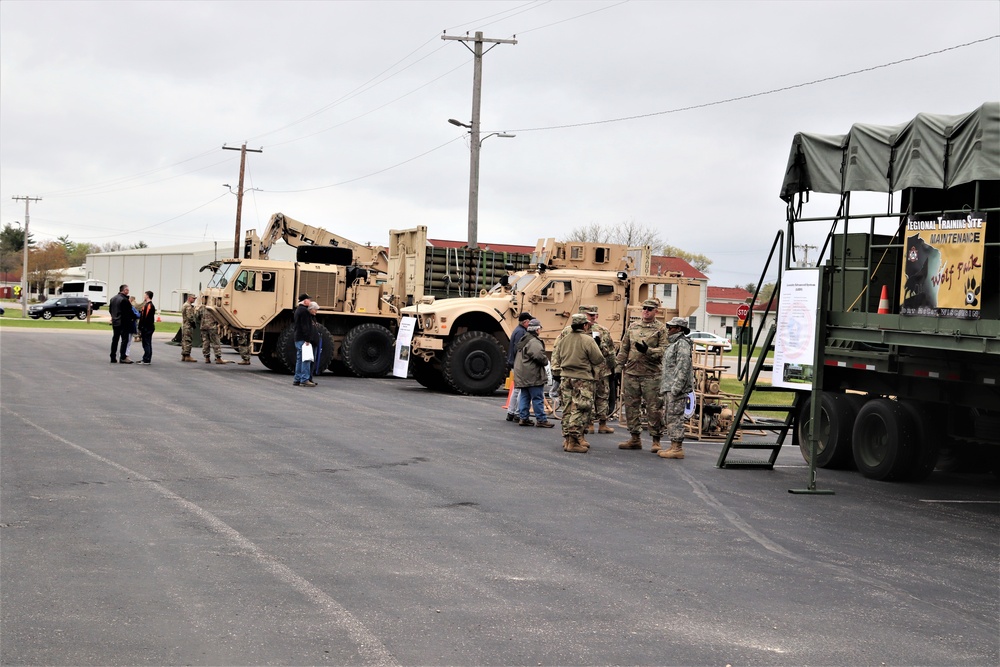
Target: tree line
x: 47, y: 259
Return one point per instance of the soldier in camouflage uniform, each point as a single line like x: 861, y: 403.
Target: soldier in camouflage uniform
x: 604, y: 341
x: 189, y: 320
x: 640, y: 358
x: 575, y: 360
x: 601, y: 388
x: 243, y: 347
x: 210, y: 335
x: 676, y: 382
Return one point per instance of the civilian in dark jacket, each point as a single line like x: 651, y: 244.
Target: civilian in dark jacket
x: 515, y: 338
x: 302, y: 324
x: 122, y: 325
x: 529, y: 375
x: 147, y: 325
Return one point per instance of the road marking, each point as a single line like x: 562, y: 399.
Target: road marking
x: 964, y: 502
x: 368, y: 644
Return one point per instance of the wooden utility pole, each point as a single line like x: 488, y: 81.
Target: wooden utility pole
x: 239, y: 194
x: 24, y: 252
x: 477, y: 84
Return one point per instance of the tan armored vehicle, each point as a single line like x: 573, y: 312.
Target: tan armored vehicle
x: 461, y: 344
x: 255, y: 297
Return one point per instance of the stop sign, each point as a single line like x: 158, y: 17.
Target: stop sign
x: 743, y: 311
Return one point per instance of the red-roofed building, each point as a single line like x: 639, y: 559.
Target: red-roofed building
x: 722, y: 319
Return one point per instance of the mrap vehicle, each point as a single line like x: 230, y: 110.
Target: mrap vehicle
x: 904, y: 330
x: 461, y: 344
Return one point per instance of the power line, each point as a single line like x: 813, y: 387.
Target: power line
x: 374, y: 173
x: 760, y: 94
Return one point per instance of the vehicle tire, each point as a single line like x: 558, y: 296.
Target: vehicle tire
x: 429, y: 376
x: 285, y: 350
x: 837, y: 415
x: 326, y: 349
x: 267, y: 357
x: 82, y: 315
x: 928, y: 437
x: 883, y: 437
x: 368, y: 350
x: 474, y: 364
x: 47, y: 315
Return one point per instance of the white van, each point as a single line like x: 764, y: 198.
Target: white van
x: 95, y: 290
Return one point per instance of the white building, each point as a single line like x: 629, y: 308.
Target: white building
x: 171, y: 272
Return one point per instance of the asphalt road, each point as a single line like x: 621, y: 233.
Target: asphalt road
x: 183, y: 514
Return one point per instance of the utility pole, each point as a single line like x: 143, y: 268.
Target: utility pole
x: 239, y: 194
x: 24, y: 249
x: 804, y: 262
x: 477, y: 84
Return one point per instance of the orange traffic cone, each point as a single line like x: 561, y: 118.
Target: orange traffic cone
x: 510, y: 392
x: 158, y: 319
x: 883, y: 302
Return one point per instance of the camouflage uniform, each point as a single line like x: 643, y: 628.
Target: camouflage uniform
x: 602, y: 337
x: 243, y: 346
x: 676, y: 382
x: 189, y: 318
x: 209, y: 334
x: 575, y: 359
x: 641, y: 376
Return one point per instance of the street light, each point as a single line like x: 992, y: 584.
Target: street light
x: 475, y: 144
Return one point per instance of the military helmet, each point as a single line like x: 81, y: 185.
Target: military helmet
x: 680, y: 322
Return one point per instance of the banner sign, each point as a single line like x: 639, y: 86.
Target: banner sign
x: 943, y: 265
x: 795, y: 334
x: 403, y: 339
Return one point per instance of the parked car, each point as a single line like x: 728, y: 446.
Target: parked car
x: 705, y: 337
x: 63, y: 306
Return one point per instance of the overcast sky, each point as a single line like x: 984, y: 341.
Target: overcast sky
x: 115, y: 113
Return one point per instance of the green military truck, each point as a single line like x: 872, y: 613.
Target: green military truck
x: 905, y: 352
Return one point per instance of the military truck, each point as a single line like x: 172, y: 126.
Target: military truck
x: 460, y: 344
x: 255, y: 296
x: 906, y: 360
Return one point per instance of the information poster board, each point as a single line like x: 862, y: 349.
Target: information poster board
x: 795, y: 336
x: 404, y: 337
x: 943, y: 265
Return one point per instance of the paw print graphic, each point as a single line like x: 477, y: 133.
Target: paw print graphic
x: 972, y: 292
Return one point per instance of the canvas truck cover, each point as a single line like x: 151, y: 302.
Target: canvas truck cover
x: 930, y: 151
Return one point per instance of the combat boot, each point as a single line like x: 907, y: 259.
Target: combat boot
x: 575, y: 445
x: 590, y: 428
x: 188, y: 357
x: 245, y: 362
x: 208, y: 360
x: 676, y: 451
x: 635, y: 442
x: 603, y: 427
x: 656, y: 444
x: 221, y: 361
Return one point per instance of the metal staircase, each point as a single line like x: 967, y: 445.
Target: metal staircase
x: 756, y: 399
x: 760, y: 398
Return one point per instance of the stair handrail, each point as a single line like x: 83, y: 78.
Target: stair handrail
x: 778, y: 246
